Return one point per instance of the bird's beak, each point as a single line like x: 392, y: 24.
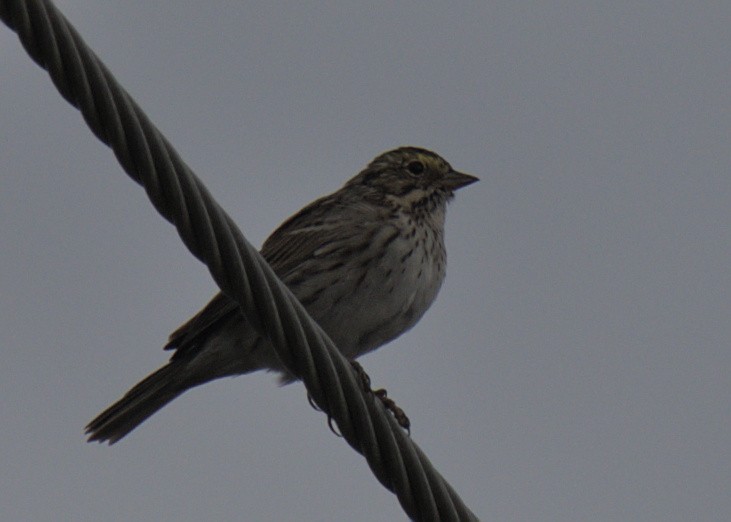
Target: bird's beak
x: 455, y: 180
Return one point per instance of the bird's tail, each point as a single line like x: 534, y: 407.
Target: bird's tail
x: 139, y: 403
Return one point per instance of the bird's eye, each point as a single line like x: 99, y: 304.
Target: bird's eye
x: 415, y: 167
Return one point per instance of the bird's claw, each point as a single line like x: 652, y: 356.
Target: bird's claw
x: 391, y: 406
x: 382, y: 395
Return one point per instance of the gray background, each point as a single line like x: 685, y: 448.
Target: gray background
x: 575, y: 365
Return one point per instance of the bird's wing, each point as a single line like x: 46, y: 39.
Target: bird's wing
x: 313, y: 229
x: 316, y: 231
x: 194, y: 332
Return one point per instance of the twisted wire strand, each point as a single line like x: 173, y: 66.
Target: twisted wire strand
x: 236, y: 266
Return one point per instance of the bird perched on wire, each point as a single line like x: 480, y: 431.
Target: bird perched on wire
x: 366, y: 262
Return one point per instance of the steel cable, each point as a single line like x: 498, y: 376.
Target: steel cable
x: 237, y: 267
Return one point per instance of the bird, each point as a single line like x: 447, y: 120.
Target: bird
x: 366, y: 261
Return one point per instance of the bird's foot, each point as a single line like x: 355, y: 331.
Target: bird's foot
x: 382, y: 395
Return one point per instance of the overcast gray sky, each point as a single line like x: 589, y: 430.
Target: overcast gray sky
x: 576, y: 363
